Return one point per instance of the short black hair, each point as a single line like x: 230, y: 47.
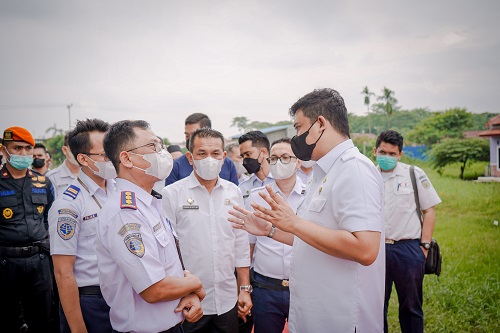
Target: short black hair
x: 173, y: 148
x: 205, y: 132
x: 66, y: 139
x: 391, y: 137
x: 79, y: 139
x: 282, y: 140
x: 40, y: 145
x: 259, y: 139
x: 200, y: 118
x: 324, y: 102
x: 119, y: 138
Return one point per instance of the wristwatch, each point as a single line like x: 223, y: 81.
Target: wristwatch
x: 426, y: 246
x: 248, y: 288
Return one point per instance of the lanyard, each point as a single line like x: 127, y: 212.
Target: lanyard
x: 177, y: 244
x: 93, y: 196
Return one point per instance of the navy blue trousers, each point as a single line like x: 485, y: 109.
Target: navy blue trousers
x: 270, y: 307
x: 405, y: 267
x: 95, y: 313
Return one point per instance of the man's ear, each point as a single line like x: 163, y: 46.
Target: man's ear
x: 322, y: 122
x: 82, y: 159
x: 190, y: 158
x: 125, y: 160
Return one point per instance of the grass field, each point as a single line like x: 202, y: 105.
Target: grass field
x: 466, y: 297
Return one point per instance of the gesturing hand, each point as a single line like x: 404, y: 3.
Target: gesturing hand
x: 280, y: 215
x: 246, y: 220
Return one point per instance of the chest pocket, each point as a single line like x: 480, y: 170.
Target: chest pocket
x: 87, y: 236
x: 39, y: 203
x: 9, y: 209
x: 404, y: 194
x: 167, y: 251
x: 317, y: 205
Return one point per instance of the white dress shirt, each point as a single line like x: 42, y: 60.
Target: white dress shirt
x: 400, y: 213
x: 211, y: 248
x: 60, y: 178
x: 272, y: 258
x: 73, y: 226
x: 305, y: 177
x: 253, y: 182
x: 135, y: 249
x: 329, y: 294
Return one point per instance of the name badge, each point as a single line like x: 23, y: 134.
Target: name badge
x: 190, y: 207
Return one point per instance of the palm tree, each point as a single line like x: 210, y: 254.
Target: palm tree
x: 389, y: 103
x: 55, y: 131
x: 367, y: 94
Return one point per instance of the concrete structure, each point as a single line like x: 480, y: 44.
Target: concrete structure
x: 494, y: 134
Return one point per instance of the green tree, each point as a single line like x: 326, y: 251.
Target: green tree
x: 463, y: 151
x: 389, y: 104
x: 449, y: 124
x: 241, y: 123
x: 55, y: 131
x: 256, y: 125
x: 367, y: 96
x: 54, y: 145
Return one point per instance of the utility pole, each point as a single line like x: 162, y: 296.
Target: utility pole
x: 69, y: 113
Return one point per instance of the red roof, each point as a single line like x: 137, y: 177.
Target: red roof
x: 494, y: 121
x: 491, y: 132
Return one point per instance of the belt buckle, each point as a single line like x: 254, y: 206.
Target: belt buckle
x: 25, y: 250
x: 285, y: 283
x: 389, y: 241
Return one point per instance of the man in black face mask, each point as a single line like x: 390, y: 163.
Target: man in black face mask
x: 40, y: 158
x: 337, y: 233
x: 254, y: 148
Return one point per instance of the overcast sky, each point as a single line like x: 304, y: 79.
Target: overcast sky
x: 163, y: 60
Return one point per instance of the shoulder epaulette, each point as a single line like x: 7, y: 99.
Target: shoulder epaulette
x: 128, y: 200
x: 72, y: 191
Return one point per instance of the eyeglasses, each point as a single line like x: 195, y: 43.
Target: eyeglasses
x: 102, y: 155
x: 156, y: 146
x: 283, y: 159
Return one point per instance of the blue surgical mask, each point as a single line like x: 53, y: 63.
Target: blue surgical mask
x: 386, y: 163
x: 20, y: 162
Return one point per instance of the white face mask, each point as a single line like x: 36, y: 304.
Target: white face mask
x: 161, y: 164
x: 240, y: 169
x: 208, y: 168
x: 283, y: 171
x: 105, y: 170
x: 71, y: 158
x: 308, y: 164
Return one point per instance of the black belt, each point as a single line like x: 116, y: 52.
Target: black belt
x: 20, y: 252
x: 279, y: 284
x: 90, y: 290
x: 171, y: 329
x: 392, y: 241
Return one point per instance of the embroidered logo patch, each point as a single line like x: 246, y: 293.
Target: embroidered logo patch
x: 90, y: 217
x: 128, y: 200
x: 38, y: 191
x: 39, y: 185
x: 66, y: 227
x: 426, y: 184
x: 40, y: 209
x: 41, y: 178
x: 65, y: 211
x: 134, y: 244
x: 127, y: 227
x: 72, y: 191
x: 7, y: 213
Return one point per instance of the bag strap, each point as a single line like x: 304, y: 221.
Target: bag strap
x: 415, y: 193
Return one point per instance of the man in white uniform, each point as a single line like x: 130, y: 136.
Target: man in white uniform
x: 271, y: 259
x: 139, y: 265
x: 406, y: 241
x: 254, y: 148
x: 198, y: 206
x: 64, y: 174
x: 73, y: 225
x: 338, y: 260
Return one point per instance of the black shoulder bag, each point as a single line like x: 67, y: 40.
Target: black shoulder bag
x: 434, y: 258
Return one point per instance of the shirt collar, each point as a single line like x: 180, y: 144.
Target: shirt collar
x: 125, y: 185
x: 65, y: 171
x: 397, y: 171
x: 297, y: 188
x: 91, y: 185
x: 326, y: 162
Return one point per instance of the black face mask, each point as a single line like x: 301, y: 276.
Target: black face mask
x: 38, y: 163
x: 252, y: 164
x: 300, y: 148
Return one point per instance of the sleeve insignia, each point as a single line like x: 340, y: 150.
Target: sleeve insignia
x: 7, y: 213
x: 65, y: 211
x: 72, y: 191
x: 134, y: 244
x: 426, y: 184
x: 66, y: 227
x: 90, y: 217
x: 128, y: 200
x: 127, y: 227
